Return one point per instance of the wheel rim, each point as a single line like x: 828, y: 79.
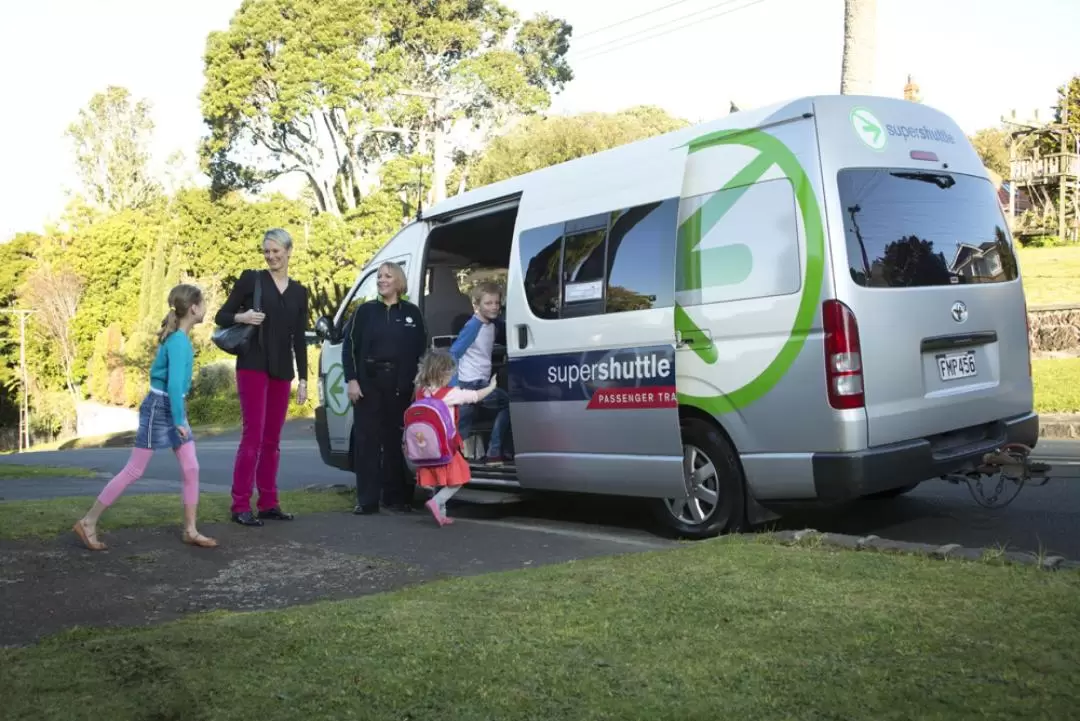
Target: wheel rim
x: 702, y: 499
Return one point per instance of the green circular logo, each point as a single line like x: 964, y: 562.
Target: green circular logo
x: 690, y: 272
x: 868, y: 128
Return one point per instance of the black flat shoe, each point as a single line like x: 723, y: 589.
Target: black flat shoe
x: 246, y: 519
x: 365, y: 510
x: 276, y: 514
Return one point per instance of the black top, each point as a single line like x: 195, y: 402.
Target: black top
x: 385, y: 333
x: 281, y: 334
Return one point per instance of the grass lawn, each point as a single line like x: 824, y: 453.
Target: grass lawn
x: 731, y: 629
x: 15, y: 471
x: 46, y: 518
x: 1057, y: 384
x: 1051, y: 275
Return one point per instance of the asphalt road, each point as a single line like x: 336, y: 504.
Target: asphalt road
x: 1045, y: 519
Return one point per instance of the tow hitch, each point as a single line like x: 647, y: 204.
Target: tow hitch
x: 1010, y: 463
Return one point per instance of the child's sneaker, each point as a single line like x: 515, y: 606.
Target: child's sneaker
x: 500, y: 460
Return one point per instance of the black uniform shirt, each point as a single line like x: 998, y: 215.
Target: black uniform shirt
x: 281, y: 335
x: 384, y: 333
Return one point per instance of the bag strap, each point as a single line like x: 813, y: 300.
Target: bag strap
x: 257, y: 301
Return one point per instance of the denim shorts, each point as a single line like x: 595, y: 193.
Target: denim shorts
x: 157, y: 431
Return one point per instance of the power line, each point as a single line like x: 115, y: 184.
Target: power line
x: 630, y: 20
x: 593, y: 54
x: 646, y: 31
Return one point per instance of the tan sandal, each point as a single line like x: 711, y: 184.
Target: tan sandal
x: 89, y: 539
x: 199, y: 540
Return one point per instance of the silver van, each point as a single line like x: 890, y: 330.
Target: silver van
x: 815, y: 301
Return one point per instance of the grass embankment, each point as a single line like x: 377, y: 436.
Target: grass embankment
x: 46, y: 518
x: 1051, y: 275
x: 1057, y: 385
x: 8, y: 471
x: 736, y: 628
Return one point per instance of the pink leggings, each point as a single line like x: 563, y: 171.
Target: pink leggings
x: 136, y: 466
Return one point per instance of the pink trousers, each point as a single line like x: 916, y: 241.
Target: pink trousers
x: 264, y: 403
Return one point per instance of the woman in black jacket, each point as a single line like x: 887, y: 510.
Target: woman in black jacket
x: 380, y: 356
x: 264, y: 374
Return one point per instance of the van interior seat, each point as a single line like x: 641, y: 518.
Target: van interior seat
x: 445, y: 303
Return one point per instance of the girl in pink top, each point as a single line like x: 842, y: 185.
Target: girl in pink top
x: 433, y: 379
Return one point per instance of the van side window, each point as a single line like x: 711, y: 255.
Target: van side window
x: 608, y: 263
x: 746, y: 243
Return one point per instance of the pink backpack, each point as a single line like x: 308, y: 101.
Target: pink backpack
x: 430, y: 438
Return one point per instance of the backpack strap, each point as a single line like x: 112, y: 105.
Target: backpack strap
x: 441, y: 394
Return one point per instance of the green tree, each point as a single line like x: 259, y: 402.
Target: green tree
x: 992, y: 145
x: 112, y: 138
x: 302, y: 86
x: 541, y: 142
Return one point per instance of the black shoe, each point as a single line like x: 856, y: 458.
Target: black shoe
x: 398, y: 508
x: 365, y: 510
x: 276, y: 514
x: 246, y: 519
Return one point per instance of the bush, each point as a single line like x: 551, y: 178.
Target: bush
x: 1042, y: 241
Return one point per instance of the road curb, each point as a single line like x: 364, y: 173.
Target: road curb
x: 1059, y: 426
x: 811, y: 537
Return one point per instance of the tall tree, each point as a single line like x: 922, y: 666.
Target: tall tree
x: 311, y: 86
x: 860, y: 46
x: 54, y: 294
x: 112, y: 139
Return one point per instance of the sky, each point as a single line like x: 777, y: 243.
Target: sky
x: 974, y: 59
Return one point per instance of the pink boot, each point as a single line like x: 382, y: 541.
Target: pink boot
x: 440, y: 517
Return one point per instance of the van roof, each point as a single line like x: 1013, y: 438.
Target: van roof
x: 641, y: 150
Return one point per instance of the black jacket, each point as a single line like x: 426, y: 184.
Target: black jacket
x: 407, y: 341
x: 281, y: 335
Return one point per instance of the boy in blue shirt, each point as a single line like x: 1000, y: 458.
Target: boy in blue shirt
x: 472, y: 353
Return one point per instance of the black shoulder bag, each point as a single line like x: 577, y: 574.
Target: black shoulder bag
x: 236, y: 338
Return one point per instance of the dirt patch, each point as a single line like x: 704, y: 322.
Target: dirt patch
x: 148, y: 575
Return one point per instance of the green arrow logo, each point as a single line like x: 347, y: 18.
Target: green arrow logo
x: 337, y: 401
x: 867, y: 127
x: 691, y: 275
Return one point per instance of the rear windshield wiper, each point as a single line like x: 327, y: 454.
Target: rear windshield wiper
x: 941, y: 180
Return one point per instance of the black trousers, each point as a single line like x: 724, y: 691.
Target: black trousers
x: 378, y: 422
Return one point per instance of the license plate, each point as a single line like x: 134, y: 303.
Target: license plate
x: 954, y: 366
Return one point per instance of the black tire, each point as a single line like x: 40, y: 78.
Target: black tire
x: 728, y: 515
x: 894, y: 492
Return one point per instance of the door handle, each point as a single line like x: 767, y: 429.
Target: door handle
x: 522, y: 336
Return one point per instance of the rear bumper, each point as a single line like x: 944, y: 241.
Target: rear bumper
x: 843, y: 476
x: 322, y: 437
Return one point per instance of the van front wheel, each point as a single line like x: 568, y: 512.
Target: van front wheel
x: 716, y: 499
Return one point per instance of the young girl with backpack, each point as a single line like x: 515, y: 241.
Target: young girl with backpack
x: 162, y: 420
x: 431, y: 442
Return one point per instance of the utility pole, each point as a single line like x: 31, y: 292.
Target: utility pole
x: 438, y: 181
x: 24, y: 409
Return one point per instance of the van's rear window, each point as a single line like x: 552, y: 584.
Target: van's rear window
x: 909, y: 228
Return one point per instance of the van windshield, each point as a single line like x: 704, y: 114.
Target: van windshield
x: 907, y: 228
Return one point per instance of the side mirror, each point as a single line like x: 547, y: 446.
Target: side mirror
x: 323, y: 328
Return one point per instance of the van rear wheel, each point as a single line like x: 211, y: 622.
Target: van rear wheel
x: 715, y: 500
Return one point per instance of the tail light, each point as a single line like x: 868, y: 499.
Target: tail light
x: 1027, y: 335
x: 843, y: 357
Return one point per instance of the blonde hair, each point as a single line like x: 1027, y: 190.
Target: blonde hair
x: 485, y: 288
x: 181, y: 298
x: 279, y: 236
x: 436, y: 369
x: 399, y: 276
